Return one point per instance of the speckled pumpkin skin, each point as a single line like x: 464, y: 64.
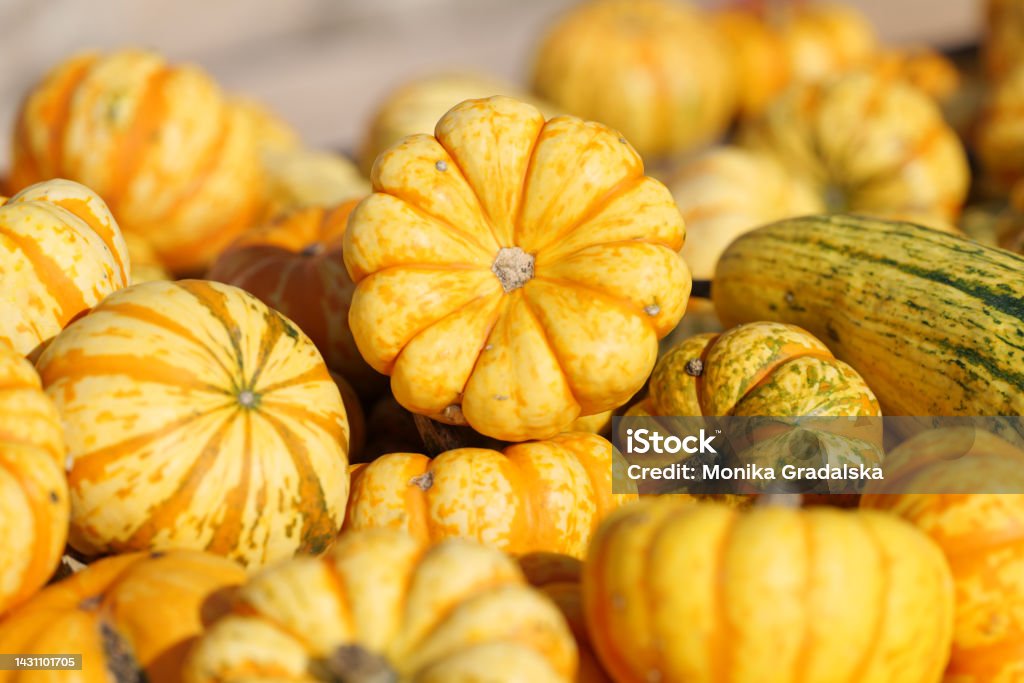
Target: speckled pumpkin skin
x: 576, y: 334
x: 768, y: 595
x: 982, y: 535
x: 539, y: 496
x: 224, y: 434
x: 131, y: 617
x: 657, y: 70
x: 175, y: 161
x: 455, y: 612
x: 34, y: 507
x: 867, y: 143
x: 294, y: 265
x: 60, y: 253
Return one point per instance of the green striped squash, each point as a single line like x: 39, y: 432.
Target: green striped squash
x: 932, y: 321
x: 197, y: 417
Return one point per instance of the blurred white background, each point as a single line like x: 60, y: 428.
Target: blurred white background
x: 324, y: 64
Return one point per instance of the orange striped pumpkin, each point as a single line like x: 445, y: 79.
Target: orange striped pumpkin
x: 538, y: 496
x: 196, y: 417
x: 174, y: 160
x: 34, y: 504
x: 383, y: 607
x: 131, y: 617
x: 60, y: 253
x: 295, y: 266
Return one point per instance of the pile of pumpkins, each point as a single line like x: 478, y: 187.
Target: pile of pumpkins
x: 268, y: 414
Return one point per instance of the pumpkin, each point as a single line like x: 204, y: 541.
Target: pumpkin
x: 817, y: 594
x: 558, y: 577
x: 539, y: 496
x: 728, y: 191
x: 758, y: 49
x: 303, y: 178
x: 196, y: 417
x: 174, y: 160
x: 415, y: 106
x: 60, y: 253
x: 867, y: 144
x: 596, y: 424
x: 657, y: 70
x: 929, y: 71
x: 294, y: 265
x: 131, y: 617
x: 146, y: 265
x: 514, y: 274
x: 999, y: 134
x: 34, y: 505
x: 1003, y: 39
x: 381, y: 606
x: 982, y: 535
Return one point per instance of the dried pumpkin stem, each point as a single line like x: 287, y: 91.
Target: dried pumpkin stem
x: 513, y: 268
x: 439, y: 437
x: 121, y: 662
x: 353, y: 664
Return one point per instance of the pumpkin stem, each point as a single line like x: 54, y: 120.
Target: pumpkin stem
x: 353, y: 664
x: 439, y: 437
x: 513, y: 267
x: 121, y: 662
x: 314, y: 249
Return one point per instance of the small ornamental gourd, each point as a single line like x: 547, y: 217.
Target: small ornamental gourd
x: 146, y: 265
x: 679, y: 592
x: 294, y: 265
x: 381, y: 606
x: 514, y: 274
x: 196, y: 417
x: 947, y: 482
x: 415, y: 106
x: 130, y: 618
x: 539, y: 496
x: 1003, y: 39
x: 866, y: 143
x: 728, y: 191
x: 60, y: 253
x: 174, y: 159
x: 34, y: 504
x: 657, y: 70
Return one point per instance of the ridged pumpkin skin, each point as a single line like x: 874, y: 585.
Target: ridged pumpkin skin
x: 657, y: 70
x: 416, y: 106
x: 761, y: 368
x: 294, y: 265
x: 728, y: 191
x: 982, y: 535
x: 60, y: 253
x: 34, y: 506
x: 456, y: 612
x: 174, y: 160
x: 514, y: 273
x: 196, y: 417
x: 538, y: 496
x: 131, y: 617
x: 929, y: 319
x: 866, y: 143
x: 558, y: 577
x: 769, y: 595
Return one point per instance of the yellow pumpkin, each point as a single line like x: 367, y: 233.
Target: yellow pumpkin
x: 758, y: 49
x: 538, y: 496
x: 1003, y: 39
x: 696, y: 593
x: 867, y: 144
x: 514, y: 273
x: 728, y: 191
x: 60, y: 253
x: 381, y: 606
x: 929, y: 71
x: 175, y: 161
x: 305, y: 178
x: 982, y: 535
x: 196, y: 417
x: 558, y: 577
x: 414, y: 107
x: 130, y: 618
x: 146, y: 265
x: 999, y: 133
x: 34, y: 504
x: 657, y: 70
